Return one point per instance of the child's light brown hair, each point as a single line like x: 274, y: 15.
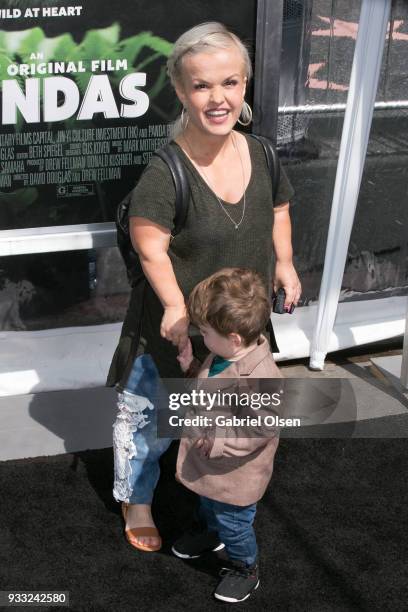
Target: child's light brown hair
x: 233, y: 300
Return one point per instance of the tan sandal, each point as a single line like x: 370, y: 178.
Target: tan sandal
x: 137, y: 532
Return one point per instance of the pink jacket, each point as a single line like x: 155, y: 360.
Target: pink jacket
x: 238, y: 469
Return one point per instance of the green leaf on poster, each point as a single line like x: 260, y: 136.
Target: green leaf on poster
x: 30, y: 43
x: 5, y: 61
x: 98, y: 44
x: 110, y: 34
x: 131, y: 47
x: 160, y: 45
x: 64, y: 48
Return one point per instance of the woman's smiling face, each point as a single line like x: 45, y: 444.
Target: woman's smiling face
x: 212, y: 89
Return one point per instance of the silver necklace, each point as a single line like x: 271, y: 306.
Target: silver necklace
x: 236, y: 224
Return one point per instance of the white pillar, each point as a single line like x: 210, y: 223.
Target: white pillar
x: 404, y: 366
x: 353, y: 148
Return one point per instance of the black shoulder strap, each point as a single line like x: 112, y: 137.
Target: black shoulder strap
x: 272, y: 160
x: 169, y: 155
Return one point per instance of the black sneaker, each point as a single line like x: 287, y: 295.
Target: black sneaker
x: 194, y: 544
x: 237, y: 582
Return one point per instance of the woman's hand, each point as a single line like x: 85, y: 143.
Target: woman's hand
x: 285, y: 274
x: 185, y: 357
x: 174, y: 326
x: 151, y: 241
x: 286, y: 277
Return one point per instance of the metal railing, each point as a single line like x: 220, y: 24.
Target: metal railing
x: 339, y: 107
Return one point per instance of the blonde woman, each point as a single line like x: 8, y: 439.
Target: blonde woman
x: 231, y: 222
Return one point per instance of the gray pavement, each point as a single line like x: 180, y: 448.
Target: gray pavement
x: 355, y: 399
x: 380, y: 404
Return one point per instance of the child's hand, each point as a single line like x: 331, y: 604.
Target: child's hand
x: 185, y: 357
x: 204, y: 445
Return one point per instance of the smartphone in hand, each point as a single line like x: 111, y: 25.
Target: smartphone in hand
x: 278, y: 302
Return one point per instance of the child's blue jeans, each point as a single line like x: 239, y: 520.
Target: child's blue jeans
x: 234, y: 525
x: 137, y: 449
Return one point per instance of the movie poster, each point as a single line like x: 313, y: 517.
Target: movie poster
x: 85, y: 101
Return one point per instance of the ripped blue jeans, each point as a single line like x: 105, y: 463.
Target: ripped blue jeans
x: 137, y: 449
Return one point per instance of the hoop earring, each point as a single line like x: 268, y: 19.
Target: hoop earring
x: 184, y: 119
x: 246, y: 113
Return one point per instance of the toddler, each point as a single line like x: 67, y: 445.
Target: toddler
x: 230, y: 474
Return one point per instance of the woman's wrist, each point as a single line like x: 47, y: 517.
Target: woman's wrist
x: 177, y: 305
x: 288, y: 260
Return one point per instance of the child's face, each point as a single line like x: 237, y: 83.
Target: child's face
x: 223, y: 346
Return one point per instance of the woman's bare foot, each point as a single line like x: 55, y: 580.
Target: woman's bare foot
x: 140, y: 515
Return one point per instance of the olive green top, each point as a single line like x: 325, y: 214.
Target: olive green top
x: 207, y: 243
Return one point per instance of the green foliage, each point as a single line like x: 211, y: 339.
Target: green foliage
x: 140, y: 51
x: 99, y: 44
x: 63, y: 48
x: 31, y: 43
x: 105, y: 43
x: 5, y: 61
x: 132, y: 46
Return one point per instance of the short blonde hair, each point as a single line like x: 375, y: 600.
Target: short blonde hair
x: 203, y: 38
